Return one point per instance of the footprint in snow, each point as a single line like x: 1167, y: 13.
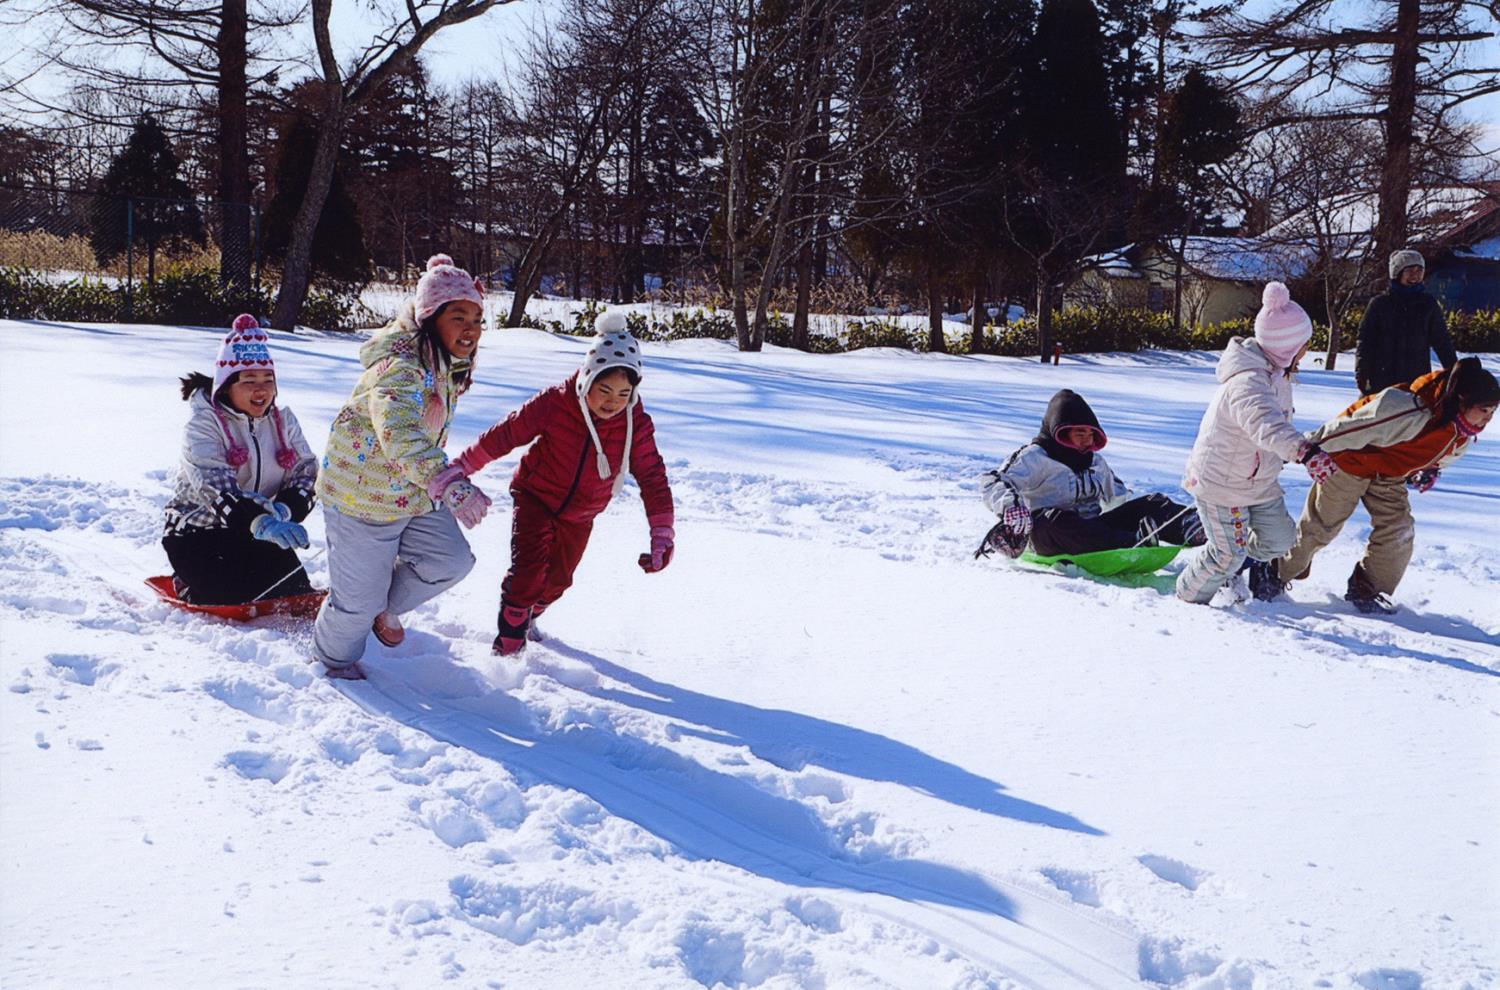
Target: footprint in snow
x: 1173, y: 870
x: 1082, y: 887
x: 1389, y: 979
x: 78, y: 668
x: 255, y: 765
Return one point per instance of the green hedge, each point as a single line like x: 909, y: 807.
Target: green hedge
x: 190, y: 296
x: 194, y: 296
x: 1079, y: 330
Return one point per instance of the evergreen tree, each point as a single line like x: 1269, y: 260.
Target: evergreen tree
x: 1073, y: 178
x: 339, y: 252
x: 143, y: 198
x: 397, y: 173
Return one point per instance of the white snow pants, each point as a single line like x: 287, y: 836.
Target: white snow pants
x: 1262, y: 532
x: 383, y: 567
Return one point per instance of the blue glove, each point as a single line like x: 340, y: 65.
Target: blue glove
x: 282, y: 532
x: 280, y: 510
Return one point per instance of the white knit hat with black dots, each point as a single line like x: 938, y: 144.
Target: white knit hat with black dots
x: 614, y: 347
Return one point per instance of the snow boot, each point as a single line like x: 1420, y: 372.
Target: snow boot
x: 345, y: 671
x: 1265, y: 580
x: 388, y: 629
x: 515, y: 623
x: 534, y: 632
x: 1192, y: 530
x: 1148, y: 533
x: 1363, y: 595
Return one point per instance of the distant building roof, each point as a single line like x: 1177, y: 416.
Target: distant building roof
x: 1434, y: 214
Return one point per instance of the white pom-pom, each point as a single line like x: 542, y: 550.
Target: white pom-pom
x: 245, y: 322
x: 438, y: 259
x: 609, y: 321
x: 1275, y: 296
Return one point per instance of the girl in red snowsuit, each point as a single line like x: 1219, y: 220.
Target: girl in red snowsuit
x: 589, y: 431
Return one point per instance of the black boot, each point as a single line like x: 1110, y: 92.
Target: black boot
x: 1363, y: 595
x: 1265, y: 580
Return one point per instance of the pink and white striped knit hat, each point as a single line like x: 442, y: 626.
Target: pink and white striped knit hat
x: 1281, y: 326
x: 445, y: 282
x: 245, y: 348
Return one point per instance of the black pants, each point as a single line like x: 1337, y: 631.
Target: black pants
x: 1060, y: 531
x: 225, y: 567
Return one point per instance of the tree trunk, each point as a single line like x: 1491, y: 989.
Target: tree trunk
x: 1044, y: 314
x: 1331, y: 358
x: 804, y: 295
x: 529, y: 268
x: 1395, y: 173
x: 296, y: 273
x: 1177, y: 289
x: 935, y: 340
x: 234, y: 161
x: 977, y: 320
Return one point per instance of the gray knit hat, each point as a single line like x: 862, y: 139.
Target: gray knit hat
x: 1403, y: 259
x: 614, y: 347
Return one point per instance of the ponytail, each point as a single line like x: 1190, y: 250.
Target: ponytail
x: 194, y: 381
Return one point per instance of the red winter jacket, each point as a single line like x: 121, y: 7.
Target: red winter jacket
x: 560, y: 468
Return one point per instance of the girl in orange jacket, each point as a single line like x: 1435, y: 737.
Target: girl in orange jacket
x: 1397, y: 439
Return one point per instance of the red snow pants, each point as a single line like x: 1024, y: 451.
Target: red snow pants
x: 544, y: 552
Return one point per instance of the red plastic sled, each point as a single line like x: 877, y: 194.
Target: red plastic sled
x: 300, y: 606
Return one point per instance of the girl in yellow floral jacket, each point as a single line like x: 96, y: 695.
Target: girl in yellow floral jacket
x: 392, y: 543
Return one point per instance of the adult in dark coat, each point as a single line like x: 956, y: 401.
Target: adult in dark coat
x: 1400, y: 326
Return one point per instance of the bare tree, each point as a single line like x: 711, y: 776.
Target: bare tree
x: 1326, y: 238
x: 1406, y: 65
x: 583, y: 90
x: 170, y: 53
x: 344, y: 90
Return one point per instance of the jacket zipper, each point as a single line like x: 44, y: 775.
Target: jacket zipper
x: 256, y: 441
x: 577, y: 475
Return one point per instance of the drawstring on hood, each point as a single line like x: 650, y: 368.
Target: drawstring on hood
x: 237, y: 455
x: 614, y: 347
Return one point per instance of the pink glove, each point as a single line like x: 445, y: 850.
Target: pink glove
x: 1319, y: 463
x: 1017, y: 519
x: 467, y: 503
x: 440, y: 481
x: 1423, y: 480
x: 661, y: 550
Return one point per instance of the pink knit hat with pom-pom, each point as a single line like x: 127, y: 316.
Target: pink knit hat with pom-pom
x: 245, y: 348
x: 445, y: 282
x: 1281, y: 326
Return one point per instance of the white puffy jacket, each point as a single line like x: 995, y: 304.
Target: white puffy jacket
x: 1033, y: 479
x: 1246, y: 435
x: 211, y: 492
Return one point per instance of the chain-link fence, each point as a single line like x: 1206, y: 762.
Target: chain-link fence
x: 122, y: 246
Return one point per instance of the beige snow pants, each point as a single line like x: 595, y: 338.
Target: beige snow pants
x: 1329, y: 506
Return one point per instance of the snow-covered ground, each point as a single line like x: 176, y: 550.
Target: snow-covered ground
x: 825, y: 749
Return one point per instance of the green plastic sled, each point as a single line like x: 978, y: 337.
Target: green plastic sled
x: 1110, y: 563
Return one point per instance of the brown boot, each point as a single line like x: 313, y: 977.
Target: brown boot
x: 388, y: 629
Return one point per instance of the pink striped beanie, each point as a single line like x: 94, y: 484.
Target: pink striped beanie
x: 1281, y: 326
